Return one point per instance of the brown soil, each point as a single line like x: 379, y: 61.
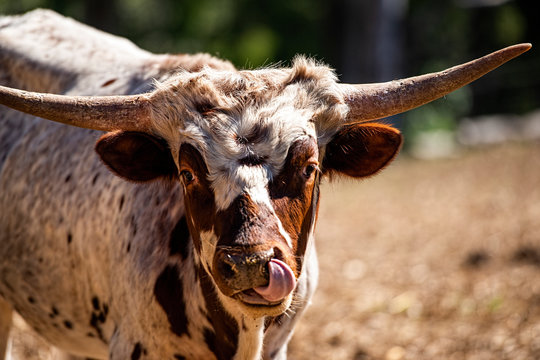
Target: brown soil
x: 430, y: 260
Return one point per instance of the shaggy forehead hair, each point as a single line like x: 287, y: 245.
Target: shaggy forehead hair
x: 243, y: 122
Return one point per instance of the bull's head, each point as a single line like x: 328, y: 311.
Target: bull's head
x: 249, y: 149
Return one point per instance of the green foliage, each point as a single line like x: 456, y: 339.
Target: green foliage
x: 509, y: 24
x: 247, y: 33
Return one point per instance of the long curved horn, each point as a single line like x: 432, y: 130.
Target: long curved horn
x: 106, y: 113
x: 374, y: 101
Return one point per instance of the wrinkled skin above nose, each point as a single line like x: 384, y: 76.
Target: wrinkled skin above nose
x: 238, y: 270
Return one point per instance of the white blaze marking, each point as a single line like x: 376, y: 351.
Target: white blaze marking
x: 282, y: 231
x: 262, y: 197
x: 239, y: 179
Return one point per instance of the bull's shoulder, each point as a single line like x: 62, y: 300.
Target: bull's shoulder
x: 47, y: 52
x: 44, y: 51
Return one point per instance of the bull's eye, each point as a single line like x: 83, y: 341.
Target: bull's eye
x: 187, y: 176
x: 309, y: 170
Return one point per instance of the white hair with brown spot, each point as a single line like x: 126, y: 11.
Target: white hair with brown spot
x: 233, y: 116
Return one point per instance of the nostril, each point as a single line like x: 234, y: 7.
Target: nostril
x: 228, y: 267
x: 240, y: 269
x: 277, y: 254
x: 263, y: 270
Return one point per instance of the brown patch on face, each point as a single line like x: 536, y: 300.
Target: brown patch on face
x: 249, y: 237
x: 294, y: 193
x: 198, y: 196
x: 245, y: 224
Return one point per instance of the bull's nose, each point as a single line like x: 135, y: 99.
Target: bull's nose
x: 239, y: 270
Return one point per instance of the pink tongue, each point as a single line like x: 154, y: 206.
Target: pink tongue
x: 282, y: 281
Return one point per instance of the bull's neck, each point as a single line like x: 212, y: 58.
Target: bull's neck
x: 224, y: 339
x: 232, y: 338
x: 250, y: 340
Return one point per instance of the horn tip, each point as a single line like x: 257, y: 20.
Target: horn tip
x: 521, y: 48
x: 525, y: 46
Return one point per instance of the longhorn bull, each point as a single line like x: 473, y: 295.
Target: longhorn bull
x: 207, y: 250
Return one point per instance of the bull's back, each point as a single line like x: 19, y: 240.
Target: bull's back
x: 63, y: 215
x: 46, y: 52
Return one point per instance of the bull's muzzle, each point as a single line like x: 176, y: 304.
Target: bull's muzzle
x: 240, y: 271
x: 256, y: 278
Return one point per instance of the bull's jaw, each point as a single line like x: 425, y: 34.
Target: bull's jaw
x: 234, y: 303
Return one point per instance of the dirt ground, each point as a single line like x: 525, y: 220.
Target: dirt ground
x: 428, y: 260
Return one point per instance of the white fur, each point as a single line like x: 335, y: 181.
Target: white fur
x: 250, y: 342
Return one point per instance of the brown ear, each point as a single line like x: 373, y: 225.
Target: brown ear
x: 360, y: 150
x: 136, y: 156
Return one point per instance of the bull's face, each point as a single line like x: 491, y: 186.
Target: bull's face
x: 249, y: 155
x: 253, y: 244
x: 249, y: 149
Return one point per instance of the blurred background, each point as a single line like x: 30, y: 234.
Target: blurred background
x: 365, y: 41
x: 431, y: 259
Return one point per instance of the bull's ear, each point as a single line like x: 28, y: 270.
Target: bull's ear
x: 360, y: 150
x: 136, y: 156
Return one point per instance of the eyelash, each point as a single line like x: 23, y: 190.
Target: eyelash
x: 310, y: 169
x: 187, y: 176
